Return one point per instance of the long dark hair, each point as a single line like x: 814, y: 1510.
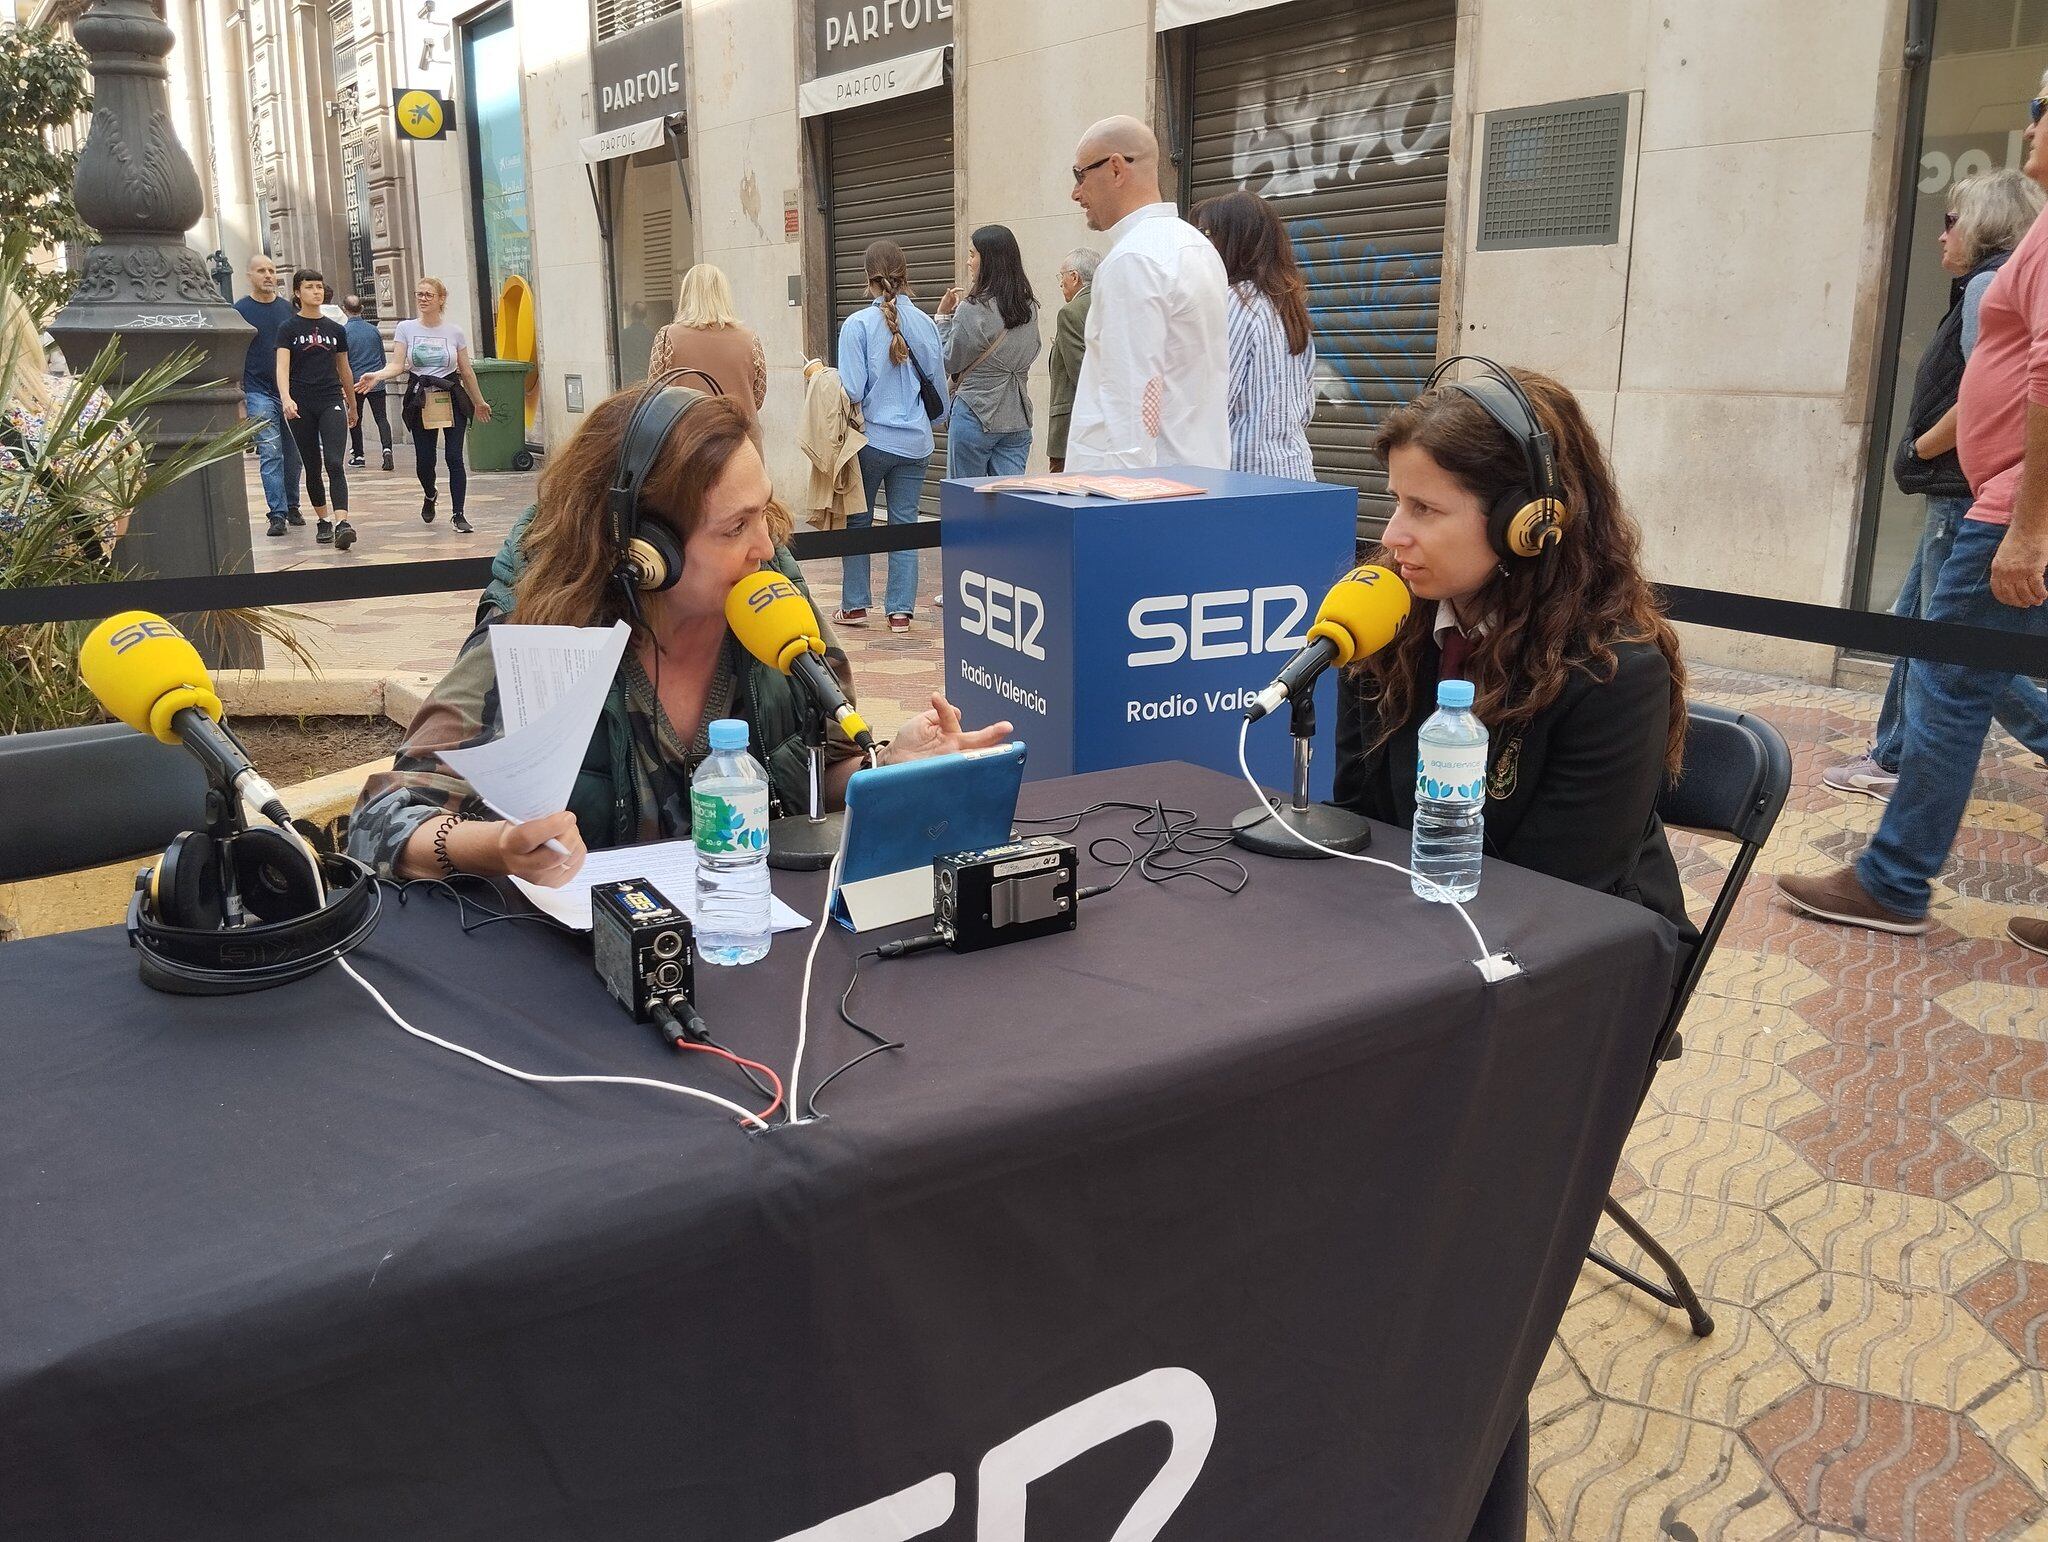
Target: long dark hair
x: 1253, y: 244
x: 889, y: 276
x: 1546, y: 616
x: 1001, y: 279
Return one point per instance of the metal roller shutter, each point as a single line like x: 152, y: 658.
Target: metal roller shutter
x: 1340, y: 113
x: 892, y: 177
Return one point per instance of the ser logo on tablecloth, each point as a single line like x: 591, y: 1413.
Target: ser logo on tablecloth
x: 1171, y: 1395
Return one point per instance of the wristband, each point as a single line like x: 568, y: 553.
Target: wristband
x: 446, y: 862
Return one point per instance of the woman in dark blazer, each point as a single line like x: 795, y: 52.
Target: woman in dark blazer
x: 1577, y: 673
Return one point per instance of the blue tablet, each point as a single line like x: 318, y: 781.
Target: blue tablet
x: 900, y: 817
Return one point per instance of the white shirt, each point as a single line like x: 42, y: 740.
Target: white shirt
x: 1155, y: 377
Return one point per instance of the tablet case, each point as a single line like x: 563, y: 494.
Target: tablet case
x: 900, y: 817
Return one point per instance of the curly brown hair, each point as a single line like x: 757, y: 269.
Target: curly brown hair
x: 568, y: 550
x: 1546, y: 616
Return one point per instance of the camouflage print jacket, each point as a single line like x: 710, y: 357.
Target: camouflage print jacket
x: 634, y: 784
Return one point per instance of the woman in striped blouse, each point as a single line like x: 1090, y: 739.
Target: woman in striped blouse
x: 1272, y: 357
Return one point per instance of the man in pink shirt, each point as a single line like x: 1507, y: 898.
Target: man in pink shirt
x: 1996, y: 576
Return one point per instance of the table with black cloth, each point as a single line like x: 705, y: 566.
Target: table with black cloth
x: 1272, y: 1192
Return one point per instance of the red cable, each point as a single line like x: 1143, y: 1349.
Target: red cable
x: 755, y: 1065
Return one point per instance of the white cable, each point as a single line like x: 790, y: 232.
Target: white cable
x: 803, y: 1011
x: 1244, y: 765
x: 534, y: 1076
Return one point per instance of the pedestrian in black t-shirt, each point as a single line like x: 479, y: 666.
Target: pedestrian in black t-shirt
x: 318, y: 393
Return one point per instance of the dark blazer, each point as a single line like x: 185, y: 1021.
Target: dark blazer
x: 1573, y: 794
x: 1063, y: 364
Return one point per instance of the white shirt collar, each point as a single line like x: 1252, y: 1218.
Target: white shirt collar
x: 1137, y: 216
x: 1447, y: 621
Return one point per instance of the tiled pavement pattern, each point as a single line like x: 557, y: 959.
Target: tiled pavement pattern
x: 1851, y: 1158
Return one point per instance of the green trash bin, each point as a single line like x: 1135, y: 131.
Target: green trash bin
x: 500, y: 445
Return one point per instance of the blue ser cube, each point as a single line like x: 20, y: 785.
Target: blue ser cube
x: 1115, y: 634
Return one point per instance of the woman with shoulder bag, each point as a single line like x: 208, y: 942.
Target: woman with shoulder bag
x: 891, y: 364
x: 1987, y: 215
x: 441, y: 394
x: 991, y: 338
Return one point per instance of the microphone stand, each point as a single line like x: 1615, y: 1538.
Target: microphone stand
x: 1257, y: 828
x: 806, y: 843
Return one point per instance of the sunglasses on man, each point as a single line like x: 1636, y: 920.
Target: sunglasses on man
x: 2036, y: 107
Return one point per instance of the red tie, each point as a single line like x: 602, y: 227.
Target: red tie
x: 1457, y: 647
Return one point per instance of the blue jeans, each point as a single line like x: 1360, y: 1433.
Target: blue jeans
x: 972, y: 451
x: 903, y: 478
x: 277, y: 457
x: 2023, y: 709
x: 1947, y: 716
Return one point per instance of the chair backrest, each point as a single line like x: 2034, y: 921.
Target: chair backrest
x: 1737, y: 774
x: 79, y: 797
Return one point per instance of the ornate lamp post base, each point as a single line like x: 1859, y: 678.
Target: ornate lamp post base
x: 144, y: 287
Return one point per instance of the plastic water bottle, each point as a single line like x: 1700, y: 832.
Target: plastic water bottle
x: 1450, y: 798
x: 729, y: 823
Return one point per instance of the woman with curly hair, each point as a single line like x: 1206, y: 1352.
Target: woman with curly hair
x: 1576, y: 672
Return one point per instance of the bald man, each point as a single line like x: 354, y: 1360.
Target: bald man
x: 1154, y: 372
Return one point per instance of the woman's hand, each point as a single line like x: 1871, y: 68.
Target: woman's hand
x: 949, y: 301
x: 365, y: 384
x: 521, y: 850
x: 291, y: 408
x: 937, y: 731
x: 483, y: 410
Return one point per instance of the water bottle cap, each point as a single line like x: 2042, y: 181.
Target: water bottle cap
x: 728, y: 733
x: 1456, y: 694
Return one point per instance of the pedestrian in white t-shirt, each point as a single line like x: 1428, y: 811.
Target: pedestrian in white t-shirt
x: 1154, y: 378
x: 441, y: 394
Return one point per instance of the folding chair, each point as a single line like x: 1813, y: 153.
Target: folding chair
x: 1737, y: 773
x: 81, y: 797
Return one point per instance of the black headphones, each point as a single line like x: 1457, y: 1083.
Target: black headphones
x: 220, y: 915
x: 1523, y: 520
x: 650, y: 558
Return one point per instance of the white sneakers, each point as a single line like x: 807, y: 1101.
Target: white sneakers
x: 1865, y: 776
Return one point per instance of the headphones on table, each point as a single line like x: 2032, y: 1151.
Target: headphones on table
x: 650, y: 558
x: 221, y: 915
x: 1523, y: 521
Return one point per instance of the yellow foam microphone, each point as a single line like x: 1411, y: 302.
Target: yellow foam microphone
x: 776, y: 624
x: 144, y: 671
x: 1358, y: 617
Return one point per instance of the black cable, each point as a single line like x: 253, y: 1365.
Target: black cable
x: 1167, y: 833
x: 745, y: 1070
x: 464, y: 904
x: 887, y: 950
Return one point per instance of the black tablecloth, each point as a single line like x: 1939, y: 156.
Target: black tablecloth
x: 271, y: 1268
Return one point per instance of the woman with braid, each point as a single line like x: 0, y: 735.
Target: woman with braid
x: 888, y: 351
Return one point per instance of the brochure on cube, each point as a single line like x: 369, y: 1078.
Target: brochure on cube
x: 1115, y: 633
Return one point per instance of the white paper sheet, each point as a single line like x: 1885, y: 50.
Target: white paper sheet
x: 529, y: 772
x: 537, y: 665
x: 671, y: 866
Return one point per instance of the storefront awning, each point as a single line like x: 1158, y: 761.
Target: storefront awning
x: 629, y: 140
x: 877, y: 82
x: 1185, y: 13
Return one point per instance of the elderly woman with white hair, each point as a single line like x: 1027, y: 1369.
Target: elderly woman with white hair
x: 1069, y: 344
x: 1987, y: 216
x: 708, y: 335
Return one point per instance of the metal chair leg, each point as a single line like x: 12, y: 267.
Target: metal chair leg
x: 1679, y: 1293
